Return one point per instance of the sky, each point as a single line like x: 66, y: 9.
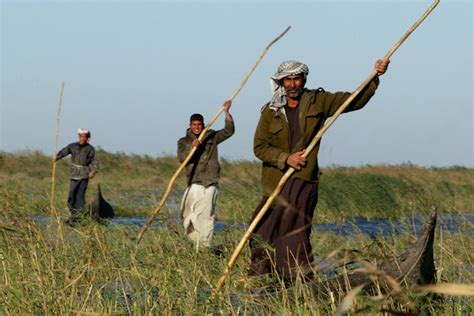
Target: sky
x: 134, y: 72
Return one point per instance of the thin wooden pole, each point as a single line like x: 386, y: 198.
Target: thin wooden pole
x: 201, y: 137
x: 308, y: 150
x: 55, y: 150
x: 54, y: 213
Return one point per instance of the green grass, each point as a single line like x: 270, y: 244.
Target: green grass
x: 50, y: 269
x: 134, y: 185
x: 55, y: 269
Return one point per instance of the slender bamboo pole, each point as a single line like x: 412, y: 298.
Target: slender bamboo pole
x: 55, y: 150
x: 54, y: 213
x: 308, y: 150
x: 201, y: 137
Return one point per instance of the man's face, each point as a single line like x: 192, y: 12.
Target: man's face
x: 196, y: 127
x: 83, y: 138
x: 294, y: 85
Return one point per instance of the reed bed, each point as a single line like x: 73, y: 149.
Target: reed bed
x: 134, y: 184
x: 99, y: 270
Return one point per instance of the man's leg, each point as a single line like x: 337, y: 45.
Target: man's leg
x: 81, y: 195
x: 261, y: 256
x: 205, y: 209
x: 188, y: 212
x: 81, y: 198
x: 77, y: 199
x: 71, y: 200
x: 292, y: 243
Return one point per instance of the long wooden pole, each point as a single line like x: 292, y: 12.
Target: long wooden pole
x: 55, y: 150
x: 308, y: 150
x: 54, y: 213
x: 201, y: 137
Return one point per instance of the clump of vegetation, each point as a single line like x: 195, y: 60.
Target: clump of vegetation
x: 55, y: 269
x: 134, y: 184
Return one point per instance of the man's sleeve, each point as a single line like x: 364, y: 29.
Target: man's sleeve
x: 183, y: 149
x: 262, y: 148
x: 64, y: 152
x: 226, y: 132
x: 94, y: 165
x: 332, y: 101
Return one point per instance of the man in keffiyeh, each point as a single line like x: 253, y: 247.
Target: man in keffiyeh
x: 287, y: 125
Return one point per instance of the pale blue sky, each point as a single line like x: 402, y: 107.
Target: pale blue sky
x: 136, y: 70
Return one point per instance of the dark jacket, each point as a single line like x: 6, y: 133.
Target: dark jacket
x: 83, y: 160
x: 271, y: 141
x: 204, y: 167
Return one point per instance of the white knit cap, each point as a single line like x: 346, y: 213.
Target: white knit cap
x: 83, y: 131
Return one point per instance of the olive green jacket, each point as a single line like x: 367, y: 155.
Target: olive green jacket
x: 204, y: 167
x: 272, y: 136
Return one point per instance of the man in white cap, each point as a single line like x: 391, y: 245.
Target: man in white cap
x: 287, y: 125
x: 84, y: 165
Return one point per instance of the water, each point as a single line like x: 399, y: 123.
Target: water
x: 352, y: 225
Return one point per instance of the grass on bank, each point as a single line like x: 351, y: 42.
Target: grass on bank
x: 134, y: 184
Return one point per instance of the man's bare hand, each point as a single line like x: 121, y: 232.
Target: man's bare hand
x: 381, y: 66
x: 227, y: 105
x: 196, y: 143
x: 91, y: 174
x: 296, y: 160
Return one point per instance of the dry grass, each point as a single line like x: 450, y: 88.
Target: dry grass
x: 97, y: 268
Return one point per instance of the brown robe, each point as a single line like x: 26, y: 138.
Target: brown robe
x: 287, y: 227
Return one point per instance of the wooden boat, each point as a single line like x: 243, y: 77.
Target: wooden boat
x: 99, y: 208
x: 415, y: 266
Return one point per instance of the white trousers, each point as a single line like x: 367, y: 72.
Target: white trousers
x: 198, y: 212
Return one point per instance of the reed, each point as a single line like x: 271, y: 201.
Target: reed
x: 95, y: 272
x: 55, y: 150
x: 134, y: 183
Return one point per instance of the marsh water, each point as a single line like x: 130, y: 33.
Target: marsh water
x: 450, y: 222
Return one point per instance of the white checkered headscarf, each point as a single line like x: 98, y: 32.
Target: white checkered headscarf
x: 287, y: 68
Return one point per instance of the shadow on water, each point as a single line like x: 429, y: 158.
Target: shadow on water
x: 352, y: 225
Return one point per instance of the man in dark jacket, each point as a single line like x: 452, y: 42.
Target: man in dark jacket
x: 84, y: 166
x: 202, y: 171
x: 287, y: 125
